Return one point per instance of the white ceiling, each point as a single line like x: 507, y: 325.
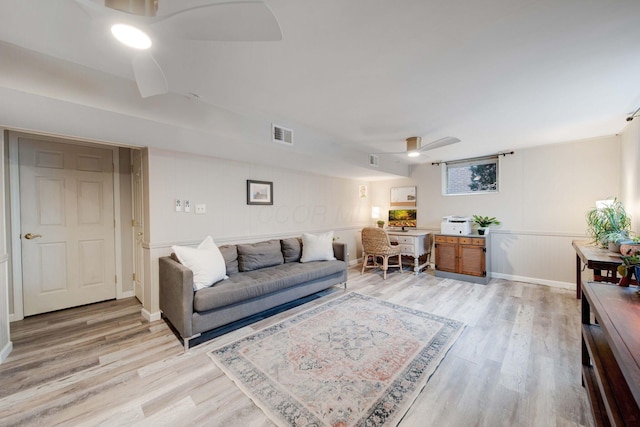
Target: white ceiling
x: 498, y: 74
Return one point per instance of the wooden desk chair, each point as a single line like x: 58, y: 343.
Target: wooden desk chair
x: 375, y: 244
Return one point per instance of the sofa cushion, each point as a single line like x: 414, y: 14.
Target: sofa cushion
x: 253, y: 284
x: 292, y: 249
x: 259, y: 255
x: 230, y: 255
x: 205, y: 261
x: 317, y: 248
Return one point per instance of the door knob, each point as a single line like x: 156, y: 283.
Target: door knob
x: 139, y: 233
x: 30, y: 236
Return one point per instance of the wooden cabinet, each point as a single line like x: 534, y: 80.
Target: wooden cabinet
x: 446, y: 253
x: 611, y: 353
x: 462, y: 257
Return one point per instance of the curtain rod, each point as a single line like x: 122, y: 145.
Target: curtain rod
x: 633, y: 115
x: 474, y: 159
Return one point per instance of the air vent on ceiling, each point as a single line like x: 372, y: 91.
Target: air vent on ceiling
x: 374, y: 160
x: 281, y: 135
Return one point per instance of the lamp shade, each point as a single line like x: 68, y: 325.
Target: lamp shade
x: 375, y: 212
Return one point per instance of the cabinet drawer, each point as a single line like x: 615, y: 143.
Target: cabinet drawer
x: 471, y: 241
x: 446, y: 239
x: 406, y: 249
x: 405, y: 239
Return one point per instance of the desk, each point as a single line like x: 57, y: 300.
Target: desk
x: 414, y: 243
x: 611, y: 353
x: 596, y: 259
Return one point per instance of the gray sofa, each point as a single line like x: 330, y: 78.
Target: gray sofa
x: 262, y: 275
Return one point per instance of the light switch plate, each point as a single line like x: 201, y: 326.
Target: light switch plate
x: 178, y: 206
x: 187, y: 206
x: 201, y: 209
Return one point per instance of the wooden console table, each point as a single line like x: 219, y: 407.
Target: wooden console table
x: 596, y: 259
x: 416, y: 244
x: 611, y: 353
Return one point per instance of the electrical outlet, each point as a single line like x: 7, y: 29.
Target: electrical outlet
x: 187, y: 206
x: 178, y: 206
x: 201, y: 209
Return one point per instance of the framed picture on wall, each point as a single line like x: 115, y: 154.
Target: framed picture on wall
x: 362, y: 191
x: 403, y: 196
x: 259, y: 192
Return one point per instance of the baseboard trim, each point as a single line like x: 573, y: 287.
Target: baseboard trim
x: 6, y: 351
x: 127, y: 294
x: 535, y: 281
x: 151, y: 317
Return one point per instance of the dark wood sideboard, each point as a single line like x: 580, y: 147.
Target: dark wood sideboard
x: 611, y: 353
x: 597, y: 259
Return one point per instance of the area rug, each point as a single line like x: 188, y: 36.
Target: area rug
x: 354, y: 361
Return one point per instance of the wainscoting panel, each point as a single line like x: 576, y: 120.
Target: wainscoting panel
x: 5, y: 338
x: 542, y: 258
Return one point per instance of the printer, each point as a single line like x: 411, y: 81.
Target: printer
x: 456, y: 225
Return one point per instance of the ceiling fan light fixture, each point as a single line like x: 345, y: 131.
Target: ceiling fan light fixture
x: 131, y: 36
x: 413, y: 143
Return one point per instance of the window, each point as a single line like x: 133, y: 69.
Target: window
x: 470, y: 177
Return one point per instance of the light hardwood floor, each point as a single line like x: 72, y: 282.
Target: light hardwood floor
x: 516, y: 364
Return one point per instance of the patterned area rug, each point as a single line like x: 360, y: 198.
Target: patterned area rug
x: 354, y: 361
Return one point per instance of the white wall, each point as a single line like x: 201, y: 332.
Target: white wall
x: 302, y: 203
x: 630, y: 159
x: 544, y: 195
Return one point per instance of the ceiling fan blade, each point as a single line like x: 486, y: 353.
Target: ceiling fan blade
x: 395, y: 152
x: 442, y: 142
x: 149, y: 76
x: 250, y: 20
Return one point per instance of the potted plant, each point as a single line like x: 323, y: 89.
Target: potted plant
x: 380, y: 223
x: 484, y: 222
x: 609, y: 223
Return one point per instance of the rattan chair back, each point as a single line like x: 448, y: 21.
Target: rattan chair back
x: 376, y: 241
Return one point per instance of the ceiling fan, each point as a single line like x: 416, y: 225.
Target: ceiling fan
x: 240, y: 20
x: 415, y: 147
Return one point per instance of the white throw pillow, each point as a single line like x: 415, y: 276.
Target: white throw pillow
x: 206, y: 262
x: 317, y: 248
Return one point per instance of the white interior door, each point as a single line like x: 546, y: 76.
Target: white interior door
x: 138, y: 224
x: 67, y: 225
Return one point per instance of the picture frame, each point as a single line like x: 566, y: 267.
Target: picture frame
x: 363, y: 192
x: 259, y: 192
x: 403, y: 196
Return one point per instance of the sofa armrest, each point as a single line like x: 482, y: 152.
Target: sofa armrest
x: 340, y: 251
x: 176, y: 295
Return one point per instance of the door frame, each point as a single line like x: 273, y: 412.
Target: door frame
x: 138, y: 267
x: 14, y: 197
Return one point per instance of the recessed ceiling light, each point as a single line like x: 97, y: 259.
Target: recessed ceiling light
x: 131, y: 36
x: 413, y: 153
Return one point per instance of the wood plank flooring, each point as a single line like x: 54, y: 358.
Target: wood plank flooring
x: 516, y: 364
